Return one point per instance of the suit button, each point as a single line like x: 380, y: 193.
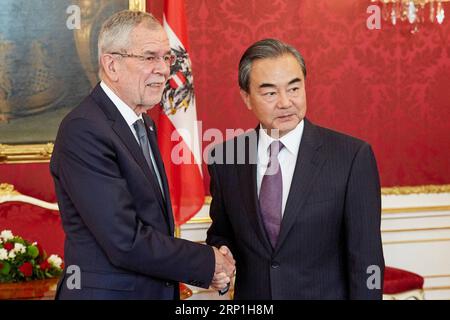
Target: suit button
x: 275, y: 264
x: 169, y: 284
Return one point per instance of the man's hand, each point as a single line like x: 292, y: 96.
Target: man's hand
x: 225, y: 267
x: 227, y: 254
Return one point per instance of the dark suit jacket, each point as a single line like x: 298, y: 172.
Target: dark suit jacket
x: 119, y: 229
x: 330, y: 232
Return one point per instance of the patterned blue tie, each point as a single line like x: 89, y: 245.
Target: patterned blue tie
x: 271, y: 194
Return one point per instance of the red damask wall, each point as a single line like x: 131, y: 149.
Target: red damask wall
x: 388, y: 87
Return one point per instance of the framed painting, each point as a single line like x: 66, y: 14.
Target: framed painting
x: 48, y: 64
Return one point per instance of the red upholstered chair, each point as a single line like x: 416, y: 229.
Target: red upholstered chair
x: 32, y: 219
x: 402, y: 285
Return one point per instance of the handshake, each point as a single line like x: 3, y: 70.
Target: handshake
x: 225, y: 268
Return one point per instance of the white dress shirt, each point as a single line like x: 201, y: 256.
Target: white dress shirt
x: 130, y: 117
x: 287, y: 157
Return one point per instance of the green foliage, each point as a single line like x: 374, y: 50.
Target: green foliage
x: 21, y: 260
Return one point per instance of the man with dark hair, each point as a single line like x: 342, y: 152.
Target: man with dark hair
x: 303, y: 220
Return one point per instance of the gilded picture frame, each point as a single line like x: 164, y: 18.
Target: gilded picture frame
x: 46, y: 69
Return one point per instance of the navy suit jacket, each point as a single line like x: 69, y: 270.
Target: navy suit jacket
x: 330, y: 231
x: 118, y: 226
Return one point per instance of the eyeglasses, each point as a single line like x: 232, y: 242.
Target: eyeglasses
x: 169, y: 59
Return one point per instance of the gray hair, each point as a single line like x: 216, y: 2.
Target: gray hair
x: 115, y: 32
x: 264, y: 49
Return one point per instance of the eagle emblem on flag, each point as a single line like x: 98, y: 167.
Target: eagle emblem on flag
x: 179, y: 91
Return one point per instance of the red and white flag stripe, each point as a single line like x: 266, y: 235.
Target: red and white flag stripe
x: 185, y: 179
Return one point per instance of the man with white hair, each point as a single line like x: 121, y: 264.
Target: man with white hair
x: 110, y: 181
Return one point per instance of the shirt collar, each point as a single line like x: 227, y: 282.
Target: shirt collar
x: 291, y: 140
x: 127, y: 113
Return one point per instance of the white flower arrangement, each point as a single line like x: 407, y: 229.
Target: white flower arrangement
x: 3, y: 254
x: 19, y: 248
x: 55, y: 261
x: 22, y: 260
x: 6, y: 235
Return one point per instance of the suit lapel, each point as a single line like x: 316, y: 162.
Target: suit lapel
x: 247, y: 179
x: 160, y: 164
x: 309, y: 162
x: 123, y: 131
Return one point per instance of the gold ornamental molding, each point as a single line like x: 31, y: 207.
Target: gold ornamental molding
x: 414, y: 209
x: 416, y: 241
x: 25, y: 153
x: 399, y: 190
x: 415, y: 229
x: 199, y: 220
x: 438, y: 288
x: 7, y: 189
x: 137, y: 5
x: 425, y: 189
x: 432, y: 276
x: 177, y: 231
x: 8, y: 193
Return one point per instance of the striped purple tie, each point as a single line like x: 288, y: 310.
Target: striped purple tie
x: 271, y: 193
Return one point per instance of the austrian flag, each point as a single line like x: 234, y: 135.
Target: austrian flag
x: 177, y: 80
x: 178, y: 122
